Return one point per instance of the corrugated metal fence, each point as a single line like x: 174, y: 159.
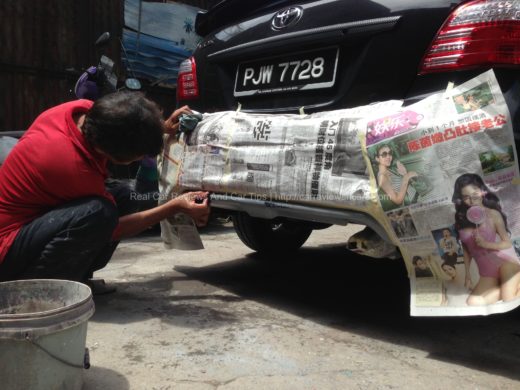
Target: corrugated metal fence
x: 44, y: 46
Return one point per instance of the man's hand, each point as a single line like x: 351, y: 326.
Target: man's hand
x: 195, y: 204
x: 171, y: 125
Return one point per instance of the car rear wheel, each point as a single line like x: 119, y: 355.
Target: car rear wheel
x: 263, y: 235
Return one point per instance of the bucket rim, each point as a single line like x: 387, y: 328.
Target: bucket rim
x: 50, y: 312
x: 33, y: 325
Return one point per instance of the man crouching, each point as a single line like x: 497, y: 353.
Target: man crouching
x: 57, y: 218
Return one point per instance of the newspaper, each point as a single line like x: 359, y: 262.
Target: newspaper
x: 178, y: 232
x: 446, y: 177
x: 298, y: 158
x: 441, y: 176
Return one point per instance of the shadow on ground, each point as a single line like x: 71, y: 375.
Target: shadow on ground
x: 370, y: 297
x: 328, y: 285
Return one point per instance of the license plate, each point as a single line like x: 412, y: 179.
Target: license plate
x: 295, y: 72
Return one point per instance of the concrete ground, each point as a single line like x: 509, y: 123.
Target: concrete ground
x: 226, y: 318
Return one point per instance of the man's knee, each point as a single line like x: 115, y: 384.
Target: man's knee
x: 97, y: 217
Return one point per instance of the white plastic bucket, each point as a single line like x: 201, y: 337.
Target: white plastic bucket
x: 43, y: 329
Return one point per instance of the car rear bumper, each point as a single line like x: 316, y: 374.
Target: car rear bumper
x: 268, y: 209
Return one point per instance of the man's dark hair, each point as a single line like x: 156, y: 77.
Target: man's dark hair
x: 125, y: 125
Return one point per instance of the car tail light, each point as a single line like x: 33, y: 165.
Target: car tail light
x: 477, y: 33
x: 187, y: 86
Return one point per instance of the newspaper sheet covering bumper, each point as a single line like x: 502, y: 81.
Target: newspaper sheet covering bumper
x: 441, y: 176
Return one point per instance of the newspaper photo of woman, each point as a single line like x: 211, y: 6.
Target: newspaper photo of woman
x: 393, y: 178
x: 482, y: 228
x: 455, y: 293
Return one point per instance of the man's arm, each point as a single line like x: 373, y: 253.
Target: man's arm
x: 194, y: 204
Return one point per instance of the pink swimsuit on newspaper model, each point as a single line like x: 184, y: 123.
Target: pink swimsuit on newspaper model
x: 489, y: 261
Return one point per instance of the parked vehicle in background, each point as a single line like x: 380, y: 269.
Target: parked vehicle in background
x: 278, y: 56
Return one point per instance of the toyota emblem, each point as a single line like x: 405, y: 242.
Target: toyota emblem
x: 286, y: 17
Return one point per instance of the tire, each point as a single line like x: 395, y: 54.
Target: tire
x: 263, y: 235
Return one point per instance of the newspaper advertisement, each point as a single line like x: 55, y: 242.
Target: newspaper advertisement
x: 440, y: 176
x: 447, y: 180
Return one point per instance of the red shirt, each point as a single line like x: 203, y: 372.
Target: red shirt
x: 51, y: 164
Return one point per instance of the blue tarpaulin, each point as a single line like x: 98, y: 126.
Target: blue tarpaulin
x: 157, y: 37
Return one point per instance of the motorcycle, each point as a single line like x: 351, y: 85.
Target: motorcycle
x: 102, y: 79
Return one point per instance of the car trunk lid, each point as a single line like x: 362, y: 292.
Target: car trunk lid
x: 338, y: 53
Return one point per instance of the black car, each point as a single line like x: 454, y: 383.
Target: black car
x: 279, y: 56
